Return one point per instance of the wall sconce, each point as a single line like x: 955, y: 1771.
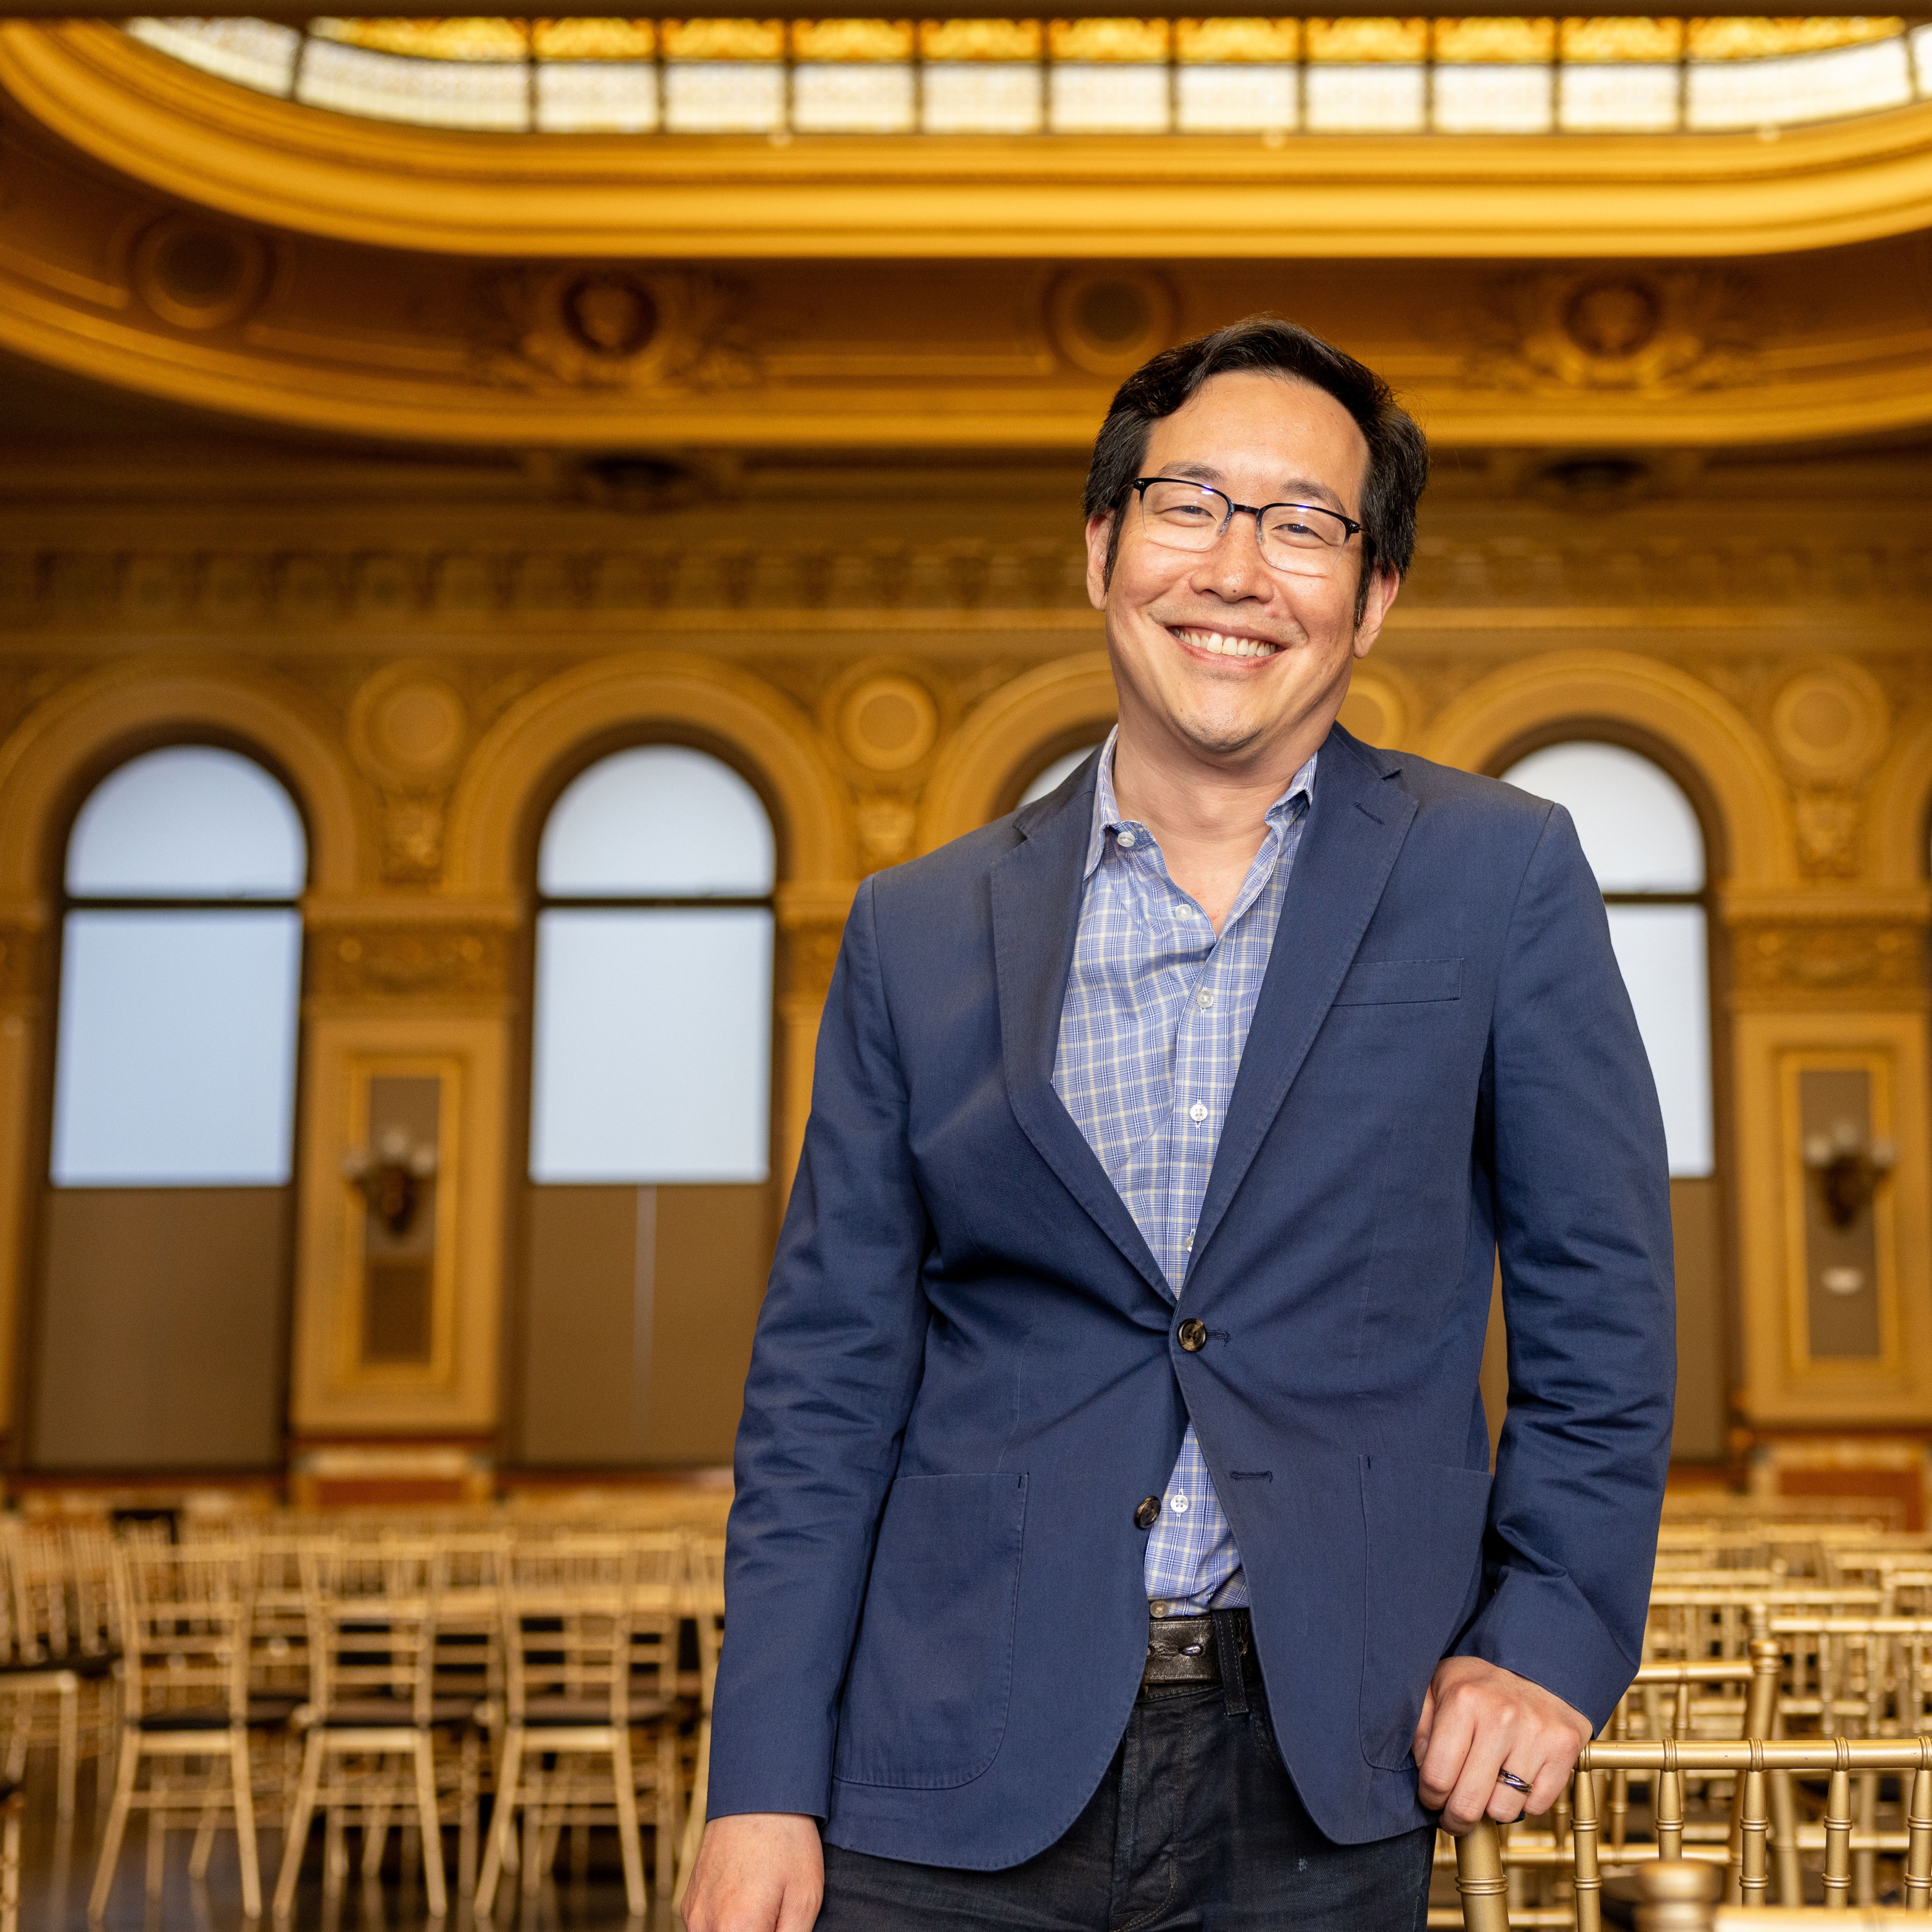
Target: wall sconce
x: 391, y: 1177
x: 1849, y: 1169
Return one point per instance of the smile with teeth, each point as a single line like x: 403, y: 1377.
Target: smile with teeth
x: 1221, y: 646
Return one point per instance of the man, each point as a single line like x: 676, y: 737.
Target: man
x: 1114, y: 1543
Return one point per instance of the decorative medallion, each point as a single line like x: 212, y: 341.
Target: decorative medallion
x: 617, y: 328
x: 1654, y: 335
x: 1829, y: 723
x: 1109, y: 321
x: 197, y: 274
x: 887, y: 721
x: 406, y: 961
x: 407, y: 728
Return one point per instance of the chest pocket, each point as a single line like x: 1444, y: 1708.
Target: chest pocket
x: 1375, y: 982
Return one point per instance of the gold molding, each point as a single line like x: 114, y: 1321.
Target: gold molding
x: 1835, y: 961
x: 1781, y: 1386
x: 221, y: 146
x: 329, y: 1393
x: 1709, y: 732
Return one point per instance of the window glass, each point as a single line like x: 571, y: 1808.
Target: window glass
x: 177, y: 1049
x: 1638, y: 829
x: 1057, y: 773
x: 1643, y: 841
x: 1661, y: 950
x: 190, y: 822
x: 653, y: 1035
x: 661, y: 821
x: 653, y: 1046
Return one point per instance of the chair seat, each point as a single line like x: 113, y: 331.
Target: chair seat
x: 189, y: 1718
x: 557, y: 1713
x: 376, y: 1714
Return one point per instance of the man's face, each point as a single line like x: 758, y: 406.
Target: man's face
x: 1217, y: 648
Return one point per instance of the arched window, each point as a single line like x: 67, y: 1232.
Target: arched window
x: 1054, y: 774
x: 180, y: 954
x: 648, y: 1224
x: 654, y: 975
x: 1642, y: 839
x: 161, y: 1340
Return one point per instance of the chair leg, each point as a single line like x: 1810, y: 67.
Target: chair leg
x: 70, y: 1742
x: 501, y: 1828
x: 663, y: 1850
x: 117, y: 1823
x: 9, y: 1870
x: 295, y: 1833
x: 624, y: 1779
x: 466, y: 1817
x: 694, y: 1818
x: 241, y: 1773
x: 432, y: 1829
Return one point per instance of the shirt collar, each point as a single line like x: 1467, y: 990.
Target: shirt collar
x: 1107, y: 808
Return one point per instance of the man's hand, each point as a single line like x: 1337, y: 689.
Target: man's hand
x: 761, y: 1871
x: 1478, y: 1719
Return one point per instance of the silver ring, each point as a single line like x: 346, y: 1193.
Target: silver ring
x: 1514, y: 1783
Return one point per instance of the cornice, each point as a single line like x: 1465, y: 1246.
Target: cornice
x: 222, y: 147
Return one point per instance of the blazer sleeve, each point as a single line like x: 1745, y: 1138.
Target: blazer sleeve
x: 835, y: 1366
x: 1582, y: 1194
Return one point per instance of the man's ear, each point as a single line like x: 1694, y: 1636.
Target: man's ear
x: 1382, y: 589
x: 1099, y: 557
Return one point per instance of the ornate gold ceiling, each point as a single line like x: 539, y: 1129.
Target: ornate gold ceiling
x: 173, y: 235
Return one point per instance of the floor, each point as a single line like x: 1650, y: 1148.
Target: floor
x: 58, y: 1870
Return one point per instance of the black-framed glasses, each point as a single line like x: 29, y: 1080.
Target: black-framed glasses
x: 1181, y: 515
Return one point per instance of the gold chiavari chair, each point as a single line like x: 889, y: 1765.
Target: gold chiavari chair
x: 183, y: 1618
x: 1693, y: 1621
x: 1864, y: 1677
x: 590, y: 1657
x: 1481, y: 1870
x: 468, y: 1662
x: 1679, y: 1896
x: 1722, y: 1699
x: 51, y: 1682
x: 372, y: 1710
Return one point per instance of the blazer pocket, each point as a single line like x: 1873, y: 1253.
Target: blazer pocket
x: 926, y: 1698
x: 1375, y: 982
x: 1423, y: 1523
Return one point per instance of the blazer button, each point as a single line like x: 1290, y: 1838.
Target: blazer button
x: 1148, y: 1514
x: 1193, y: 1335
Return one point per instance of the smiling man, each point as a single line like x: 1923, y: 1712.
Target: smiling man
x: 1115, y: 1543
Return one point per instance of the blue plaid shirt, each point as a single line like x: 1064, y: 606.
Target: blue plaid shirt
x: 1156, y: 1013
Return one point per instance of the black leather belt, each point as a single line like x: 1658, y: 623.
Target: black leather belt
x: 1189, y: 1650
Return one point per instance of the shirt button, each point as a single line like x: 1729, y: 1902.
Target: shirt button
x: 1192, y: 1335
x: 1204, y: 1000
x: 1158, y: 1608
x: 1127, y: 842
x: 1187, y: 1241
x: 1198, y: 1112
x: 1148, y: 1514
x: 1178, y: 1504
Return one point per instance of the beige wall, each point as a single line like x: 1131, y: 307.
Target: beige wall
x: 884, y: 647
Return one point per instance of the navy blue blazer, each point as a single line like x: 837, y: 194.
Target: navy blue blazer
x: 966, y: 1375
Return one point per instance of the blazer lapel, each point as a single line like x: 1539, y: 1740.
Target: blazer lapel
x: 1356, y: 825
x: 1036, y: 893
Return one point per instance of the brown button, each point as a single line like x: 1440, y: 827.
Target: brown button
x: 1193, y: 1335
x: 1148, y: 1514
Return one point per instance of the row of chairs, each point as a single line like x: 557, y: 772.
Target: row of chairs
x: 399, y: 1682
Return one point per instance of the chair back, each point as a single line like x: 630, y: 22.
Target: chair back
x: 372, y: 1625
x: 183, y: 1616
x: 567, y: 1606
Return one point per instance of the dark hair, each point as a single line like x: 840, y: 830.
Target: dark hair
x: 1398, y: 451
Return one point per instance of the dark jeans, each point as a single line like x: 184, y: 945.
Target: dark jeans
x: 1196, y: 1828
